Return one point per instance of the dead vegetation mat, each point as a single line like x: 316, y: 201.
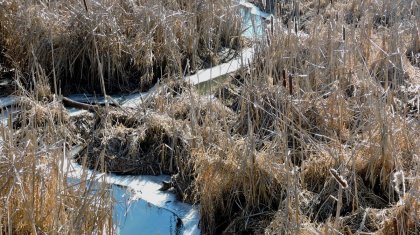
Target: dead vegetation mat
x: 273, y: 163
x: 127, y: 45
x: 152, y: 147
x: 263, y: 166
x: 319, y: 135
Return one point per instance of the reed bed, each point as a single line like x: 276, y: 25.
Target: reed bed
x: 326, y: 97
x: 325, y: 110
x: 127, y: 44
x: 61, y: 47
x: 318, y: 135
x: 38, y: 194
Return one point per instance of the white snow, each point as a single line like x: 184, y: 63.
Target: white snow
x: 7, y: 101
x: 6, y: 108
x: 3, y: 119
x: 92, y: 99
x: 254, y: 9
x: 204, y: 75
x: 142, y: 206
x: 133, y: 100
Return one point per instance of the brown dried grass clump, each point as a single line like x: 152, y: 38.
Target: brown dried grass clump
x: 315, y: 170
x: 292, y: 216
x: 182, y: 102
x: 82, y: 127
x: 205, y: 111
x: 228, y: 94
x: 36, y: 195
x: 357, y: 195
x: 401, y: 218
x: 365, y: 220
x: 330, y: 108
x: 404, y: 218
x: 40, y: 112
x: 156, y: 145
x: 388, y: 149
x: 317, y: 135
x: 128, y: 44
x: 337, y: 116
x: 232, y: 186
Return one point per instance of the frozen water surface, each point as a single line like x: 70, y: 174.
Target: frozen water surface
x: 141, y: 206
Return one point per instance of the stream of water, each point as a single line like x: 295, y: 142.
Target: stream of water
x: 140, y: 205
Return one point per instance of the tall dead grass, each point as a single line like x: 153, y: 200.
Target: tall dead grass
x: 130, y: 43
x: 318, y: 135
x: 326, y: 113
x: 38, y: 195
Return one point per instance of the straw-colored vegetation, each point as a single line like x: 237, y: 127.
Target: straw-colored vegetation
x: 48, y: 48
x: 36, y: 195
x: 319, y: 135
x: 128, y: 44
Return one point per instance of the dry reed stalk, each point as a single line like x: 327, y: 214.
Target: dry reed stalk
x: 267, y: 157
x: 41, y: 199
x: 136, y: 43
x: 339, y: 78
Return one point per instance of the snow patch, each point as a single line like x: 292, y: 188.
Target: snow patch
x: 204, y: 75
x: 142, y: 206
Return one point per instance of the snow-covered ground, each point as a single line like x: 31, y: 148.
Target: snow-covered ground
x: 204, y: 75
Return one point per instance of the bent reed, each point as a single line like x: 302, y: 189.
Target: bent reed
x: 318, y: 135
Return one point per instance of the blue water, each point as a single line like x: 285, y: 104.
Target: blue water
x: 253, y: 24
x: 253, y: 20
x: 140, y: 217
x: 135, y: 216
